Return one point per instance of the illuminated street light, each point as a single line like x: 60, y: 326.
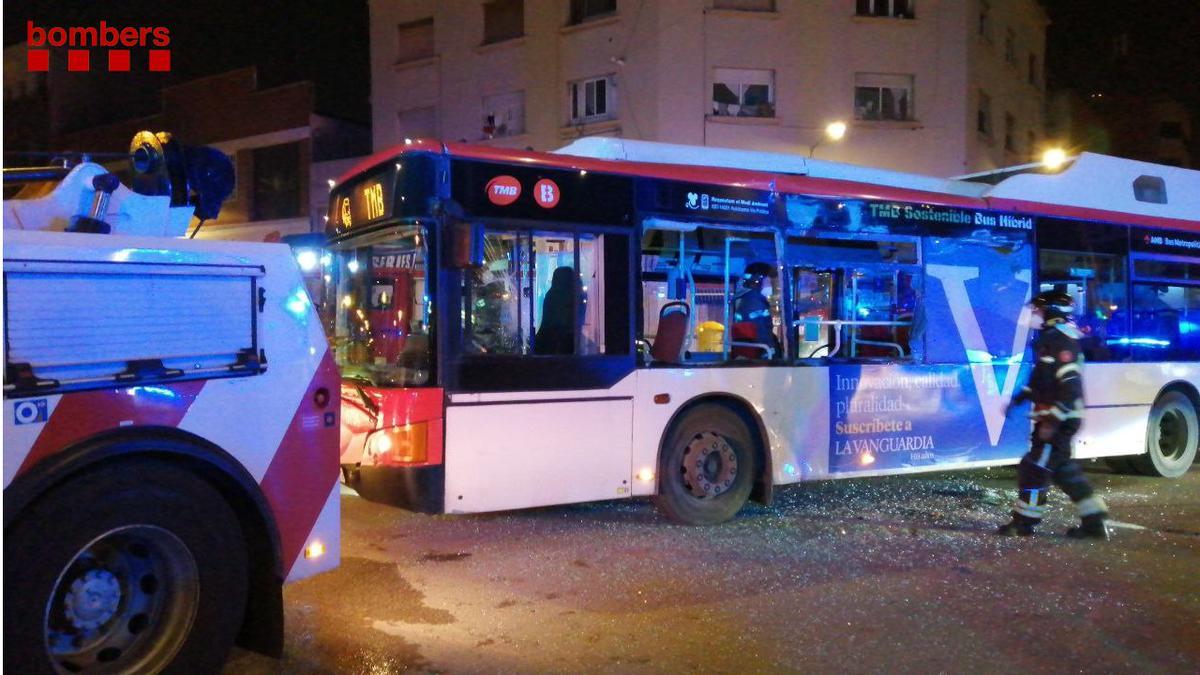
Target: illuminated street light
x: 1054, y: 158
x: 834, y: 131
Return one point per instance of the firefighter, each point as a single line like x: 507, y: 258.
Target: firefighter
x: 752, y: 308
x: 1056, y: 389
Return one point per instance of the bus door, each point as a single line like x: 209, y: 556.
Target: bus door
x: 541, y: 402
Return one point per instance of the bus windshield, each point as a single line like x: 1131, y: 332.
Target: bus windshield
x: 378, y: 307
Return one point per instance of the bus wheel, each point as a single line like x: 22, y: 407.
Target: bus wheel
x: 707, y: 468
x: 1171, y: 437
x: 129, y: 568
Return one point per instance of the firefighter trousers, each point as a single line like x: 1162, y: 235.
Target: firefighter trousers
x: 1051, y: 461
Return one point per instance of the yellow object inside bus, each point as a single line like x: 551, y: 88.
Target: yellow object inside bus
x: 710, y: 336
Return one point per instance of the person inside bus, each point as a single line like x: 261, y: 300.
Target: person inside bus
x: 752, y: 312
x: 561, y: 314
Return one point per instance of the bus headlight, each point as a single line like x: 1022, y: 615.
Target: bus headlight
x: 398, y: 445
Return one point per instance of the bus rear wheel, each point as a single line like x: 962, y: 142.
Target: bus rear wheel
x: 135, y: 567
x: 707, y: 466
x: 1172, y: 437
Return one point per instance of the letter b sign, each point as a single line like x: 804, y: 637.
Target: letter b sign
x: 546, y: 193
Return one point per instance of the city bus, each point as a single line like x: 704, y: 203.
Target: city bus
x: 518, y: 329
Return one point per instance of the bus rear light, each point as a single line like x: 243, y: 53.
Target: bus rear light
x: 314, y: 550
x: 399, y: 445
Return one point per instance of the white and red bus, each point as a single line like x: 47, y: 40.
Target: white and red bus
x: 170, y: 426
x: 518, y: 329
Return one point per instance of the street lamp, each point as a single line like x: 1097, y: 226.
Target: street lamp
x: 1054, y: 158
x: 834, y: 131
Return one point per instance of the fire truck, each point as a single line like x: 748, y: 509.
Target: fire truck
x: 170, y: 422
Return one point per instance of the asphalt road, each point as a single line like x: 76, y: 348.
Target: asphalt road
x: 889, y: 574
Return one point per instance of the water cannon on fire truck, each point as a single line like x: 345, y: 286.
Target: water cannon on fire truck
x: 171, y: 183
x: 161, y: 482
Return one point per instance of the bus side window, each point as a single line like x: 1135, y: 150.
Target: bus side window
x: 812, y: 303
x: 1165, y: 317
x: 1089, y: 262
x: 881, y: 308
x: 857, y: 298
x: 538, y: 293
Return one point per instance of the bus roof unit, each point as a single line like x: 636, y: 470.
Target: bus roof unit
x: 1106, y: 188
x: 770, y: 162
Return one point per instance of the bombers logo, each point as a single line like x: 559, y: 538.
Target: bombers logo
x: 79, y: 40
x: 503, y: 190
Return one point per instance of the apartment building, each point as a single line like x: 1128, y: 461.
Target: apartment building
x: 943, y: 87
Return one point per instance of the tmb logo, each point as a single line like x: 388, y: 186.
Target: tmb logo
x: 80, y: 39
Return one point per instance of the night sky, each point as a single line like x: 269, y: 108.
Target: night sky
x: 1163, y: 48
x: 321, y: 40
x: 327, y: 41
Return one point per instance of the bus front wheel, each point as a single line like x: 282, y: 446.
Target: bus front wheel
x: 138, y: 566
x: 707, y: 466
x: 1172, y: 436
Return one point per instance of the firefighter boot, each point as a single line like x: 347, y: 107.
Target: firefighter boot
x: 1019, y: 526
x: 1090, y: 527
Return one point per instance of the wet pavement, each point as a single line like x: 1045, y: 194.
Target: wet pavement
x: 886, y: 574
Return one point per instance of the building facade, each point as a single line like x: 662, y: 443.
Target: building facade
x: 943, y: 87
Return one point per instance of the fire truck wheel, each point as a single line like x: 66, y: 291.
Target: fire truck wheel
x: 707, y: 466
x: 1172, y: 436
x: 128, y: 568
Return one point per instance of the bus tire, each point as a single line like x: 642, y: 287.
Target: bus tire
x: 1172, y: 436
x: 707, y: 467
x: 136, y: 566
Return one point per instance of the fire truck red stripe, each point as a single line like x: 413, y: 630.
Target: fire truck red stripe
x: 84, y: 414
x: 305, y: 467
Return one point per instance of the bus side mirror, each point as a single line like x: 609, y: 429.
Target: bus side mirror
x: 466, y: 250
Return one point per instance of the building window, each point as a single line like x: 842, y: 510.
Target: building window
x: 983, y: 116
x: 1033, y: 70
x: 742, y: 92
x: 901, y: 9
x: 504, y: 114
x: 1170, y: 130
x: 417, y: 122
x: 592, y: 99
x: 503, y: 20
x: 1010, y: 133
x: 746, y: 5
x: 1010, y: 46
x: 277, y: 182
x: 985, y: 24
x: 415, y: 41
x: 883, y: 97
x: 586, y: 10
